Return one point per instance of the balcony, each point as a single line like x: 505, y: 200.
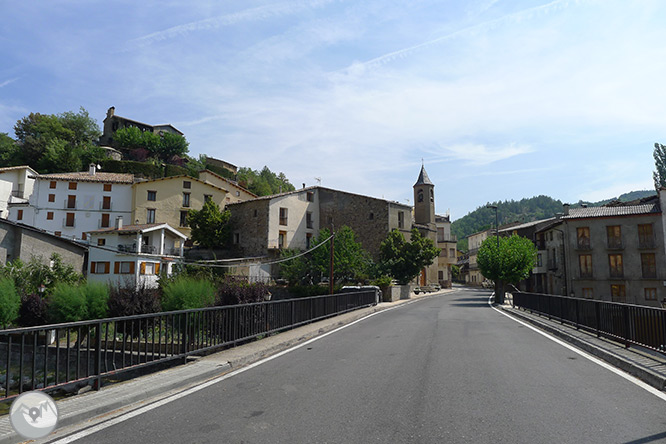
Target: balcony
x: 446, y: 239
x: 131, y: 248
x: 18, y: 193
x: 615, y: 243
x: 583, y: 244
x: 647, y: 243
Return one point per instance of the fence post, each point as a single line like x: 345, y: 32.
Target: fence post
x: 98, y: 358
x: 597, y: 317
x: 625, y: 315
x: 562, y: 310
x: 184, y: 336
x: 577, y: 316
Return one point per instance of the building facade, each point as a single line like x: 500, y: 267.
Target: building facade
x: 113, y: 123
x: 16, y: 186
x: 236, y: 193
x: 72, y: 204
x: 448, y: 255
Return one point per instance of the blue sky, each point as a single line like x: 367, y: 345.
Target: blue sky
x: 501, y: 99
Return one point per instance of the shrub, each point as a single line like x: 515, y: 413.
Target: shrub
x: 67, y: 304
x: 304, y: 291
x: 33, y: 311
x: 185, y: 293
x: 234, y: 290
x: 10, y: 302
x: 129, y: 300
x: 97, y: 299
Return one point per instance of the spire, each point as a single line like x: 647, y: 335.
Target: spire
x: 423, y: 178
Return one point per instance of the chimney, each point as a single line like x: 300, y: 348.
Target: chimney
x: 566, y: 209
x: 110, y: 111
x: 119, y: 223
x: 92, y: 168
x: 303, y: 185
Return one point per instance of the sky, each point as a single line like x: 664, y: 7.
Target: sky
x: 498, y: 99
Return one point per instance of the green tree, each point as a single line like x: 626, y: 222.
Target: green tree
x: 210, y: 226
x: 351, y: 261
x: 9, y: 151
x: 129, y: 137
x: 659, y: 175
x: 512, y: 263
x: 403, y: 260
x: 264, y: 182
x: 10, y: 302
x: 172, y: 145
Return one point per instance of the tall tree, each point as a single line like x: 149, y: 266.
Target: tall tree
x: 403, y: 260
x: 659, y: 175
x: 210, y: 226
x: 512, y: 263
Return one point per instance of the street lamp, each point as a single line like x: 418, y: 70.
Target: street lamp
x: 497, y: 284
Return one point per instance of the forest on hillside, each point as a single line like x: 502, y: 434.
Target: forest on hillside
x: 524, y: 210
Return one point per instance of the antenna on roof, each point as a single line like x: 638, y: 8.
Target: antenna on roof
x: 318, y: 179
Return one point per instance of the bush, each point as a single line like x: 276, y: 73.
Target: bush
x: 10, y: 302
x: 305, y: 291
x: 185, y: 293
x: 67, y: 304
x: 130, y: 300
x: 234, y: 290
x: 33, y: 311
x: 97, y: 299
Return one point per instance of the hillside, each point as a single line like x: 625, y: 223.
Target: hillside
x: 524, y: 210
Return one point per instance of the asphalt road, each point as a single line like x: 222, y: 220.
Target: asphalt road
x: 443, y: 369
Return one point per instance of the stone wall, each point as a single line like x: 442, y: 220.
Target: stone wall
x: 250, y: 227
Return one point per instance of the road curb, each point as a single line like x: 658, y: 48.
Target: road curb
x: 641, y: 372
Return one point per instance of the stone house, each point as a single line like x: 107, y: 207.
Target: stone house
x: 113, y: 123
x: 168, y: 200
x: 16, y: 185
x: 134, y: 255
x: 20, y: 241
x: 447, y: 243
x: 72, y: 204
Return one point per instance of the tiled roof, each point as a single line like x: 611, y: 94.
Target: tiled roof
x: 526, y: 224
x: 423, y: 178
x: 629, y: 210
x: 2, y: 170
x: 85, y: 176
x: 180, y: 177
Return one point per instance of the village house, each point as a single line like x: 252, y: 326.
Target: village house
x: 169, y: 199
x: 236, y: 193
x: 16, y: 185
x: 72, y: 204
x: 447, y: 243
x: 134, y: 255
x: 113, y: 123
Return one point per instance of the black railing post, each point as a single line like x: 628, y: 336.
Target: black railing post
x: 625, y: 315
x: 597, y: 317
x: 562, y: 310
x: 98, y: 357
x: 576, y: 307
x: 184, y: 335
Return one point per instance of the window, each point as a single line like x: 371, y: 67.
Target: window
x: 69, y: 220
x: 152, y: 196
x: 101, y: 242
x: 123, y: 267
x: 237, y: 193
x: 615, y: 264
x: 308, y: 219
x: 52, y: 184
x: 236, y: 238
x: 614, y: 235
x: 648, y: 265
x: 106, y: 202
x: 19, y: 215
x: 308, y: 241
x: 49, y: 215
x: 452, y: 252
x: 51, y: 197
x: 183, y: 218
x: 104, y: 223
x: 588, y: 293
x: 310, y: 196
x: 650, y: 294
x: 207, y: 197
x: 618, y: 293
x: 401, y: 219
x: 150, y: 268
x: 187, y: 184
x: 432, y: 196
x: 84, y: 236
x: 443, y: 253
x: 539, y: 260
x: 585, y: 264
x: 71, y: 202
x: 256, y: 213
x: 186, y: 199
x: 100, y: 267
x: 282, y: 239
x: 583, y: 236
x: 150, y: 216
x: 72, y: 185
x: 420, y: 196
x: 107, y: 187
x: 645, y: 236
x: 283, y: 216
x: 371, y: 216
x: 58, y: 233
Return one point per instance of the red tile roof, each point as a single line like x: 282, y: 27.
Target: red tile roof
x: 85, y: 176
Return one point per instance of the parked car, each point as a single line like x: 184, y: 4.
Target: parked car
x: 427, y: 288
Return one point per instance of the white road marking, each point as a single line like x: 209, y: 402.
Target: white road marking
x: 627, y: 376
x: 160, y: 403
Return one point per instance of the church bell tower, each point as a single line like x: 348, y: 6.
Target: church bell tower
x: 424, y: 200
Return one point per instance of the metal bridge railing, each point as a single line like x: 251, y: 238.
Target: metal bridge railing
x: 630, y: 324
x: 52, y: 356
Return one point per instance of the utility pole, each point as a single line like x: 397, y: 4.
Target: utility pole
x: 330, y: 275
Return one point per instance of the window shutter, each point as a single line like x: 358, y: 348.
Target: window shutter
x: 116, y: 268
x: 92, y: 267
x: 107, y: 266
x: 157, y: 268
x: 132, y: 268
x: 143, y: 268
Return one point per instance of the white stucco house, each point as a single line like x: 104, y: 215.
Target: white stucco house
x: 72, y: 204
x: 133, y: 255
x: 16, y: 185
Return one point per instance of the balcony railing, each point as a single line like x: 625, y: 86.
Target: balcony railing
x: 615, y: 243
x: 584, y: 244
x: 131, y: 248
x: 18, y: 193
x: 647, y: 243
